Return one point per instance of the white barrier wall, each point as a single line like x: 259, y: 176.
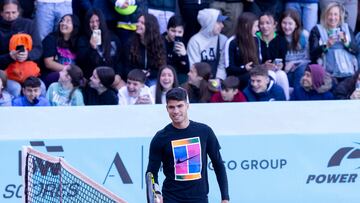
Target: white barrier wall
x: 280, y: 152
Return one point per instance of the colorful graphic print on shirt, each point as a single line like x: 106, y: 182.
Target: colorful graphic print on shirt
x: 187, y: 159
x: 65, y: 56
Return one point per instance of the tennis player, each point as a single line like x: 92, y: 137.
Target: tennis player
x: 183, y: 147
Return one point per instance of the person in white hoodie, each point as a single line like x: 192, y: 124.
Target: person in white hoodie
x: 208, y: 44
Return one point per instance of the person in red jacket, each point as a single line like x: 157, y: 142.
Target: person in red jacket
x: 229, y: 91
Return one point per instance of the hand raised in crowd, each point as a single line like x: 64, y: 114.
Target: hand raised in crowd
x: 248, y: 66
x: 19, y: 56
x: 343, y: 37
x: 143, y: 99
x: 179, y: 48
x: 93, y: 41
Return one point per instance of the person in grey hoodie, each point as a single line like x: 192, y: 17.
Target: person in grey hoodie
x: 208, y: 44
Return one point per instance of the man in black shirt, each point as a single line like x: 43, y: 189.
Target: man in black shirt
x: 182, y: 147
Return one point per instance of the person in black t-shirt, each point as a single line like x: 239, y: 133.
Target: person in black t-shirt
x: 182, y: 148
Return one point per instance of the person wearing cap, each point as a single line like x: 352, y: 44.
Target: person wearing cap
x: 232, y: 9
x: 262, y: 86
x: 183, y: 148
x: 316, y: 84
x: 229, y: 91
x: 99, y: 90
x: 208, y: 44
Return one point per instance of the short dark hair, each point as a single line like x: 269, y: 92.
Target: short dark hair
x: 175, y: 21
x: 259, y: 70
x: 32, y: 82
x: 137, y: 75
x: 176, y: 93
x: 231, y: 82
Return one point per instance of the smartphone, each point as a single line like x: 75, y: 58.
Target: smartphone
x: 97, y: 34
x: 178, y: 39
x: 278, y: 61
x: 20, y: 48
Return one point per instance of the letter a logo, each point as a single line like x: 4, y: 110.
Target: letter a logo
x: 121, y: 170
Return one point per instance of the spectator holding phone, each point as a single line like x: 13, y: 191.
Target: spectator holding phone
x: 332, y: 43
x: 175, y: 47
x: 98, y: 47
x: 12, y: 23
x: 273, y: 48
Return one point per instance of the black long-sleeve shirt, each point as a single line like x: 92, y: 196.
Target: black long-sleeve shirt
x: 183, y: 153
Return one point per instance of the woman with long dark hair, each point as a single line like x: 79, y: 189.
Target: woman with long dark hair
x: 60, y: 48
x: 145, y: 50
x: 242, y: 52
x: 99, y: 46
x: 166, y: 80
x: 198, y: 84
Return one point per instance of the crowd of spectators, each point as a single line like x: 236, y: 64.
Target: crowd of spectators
x: 124, y: 52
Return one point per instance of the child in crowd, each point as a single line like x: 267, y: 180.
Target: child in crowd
x: 198, y: 85
x: 60, y: 48
x: 31, y: 94
x: 66, y: 91
x: 100, y: 91
x: 5, y: 97
x: 297, y: 55
x: 315, y: 84
x: 135, y: 91
x: 262, y: 87
x: 241, y: 51
x: 273, y: 48
x: 229, y: 91
x: 349, y: 88
x: 175, y: 47
x: 208, y: 44
x: 166, y: 80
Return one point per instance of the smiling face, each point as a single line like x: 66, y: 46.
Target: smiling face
x: 259, y: 83
x: 134, y: 87
x: 288, y: 25
x: 177, y: 111
x: 94, y: 22
x: 10, y: 12
x: 140, y: 26
x: 306, y: 80
x: 66, y: 26
x: 167, y: 79
x: 267, y: 25
x: 333, y: 17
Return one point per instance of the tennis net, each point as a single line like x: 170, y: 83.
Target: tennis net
x: 49, y: 179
